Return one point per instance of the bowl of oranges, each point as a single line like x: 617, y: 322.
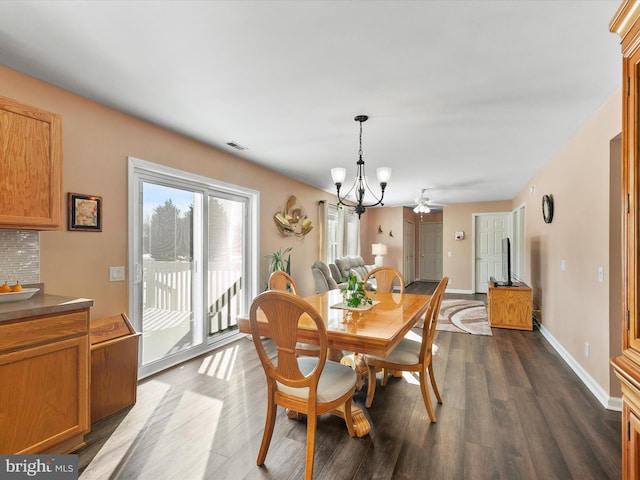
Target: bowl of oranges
x: 15, y: 292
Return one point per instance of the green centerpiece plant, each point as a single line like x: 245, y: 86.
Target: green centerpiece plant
x: 353, y: 294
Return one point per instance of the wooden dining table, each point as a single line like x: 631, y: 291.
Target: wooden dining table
x: 374, y: 330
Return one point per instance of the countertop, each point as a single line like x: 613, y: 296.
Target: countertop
x: 42, y: 304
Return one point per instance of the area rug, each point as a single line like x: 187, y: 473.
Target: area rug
x: 463, y: 316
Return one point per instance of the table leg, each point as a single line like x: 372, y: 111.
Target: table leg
x: 361, y: 425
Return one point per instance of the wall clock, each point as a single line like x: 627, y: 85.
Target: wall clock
x: 547, y: 208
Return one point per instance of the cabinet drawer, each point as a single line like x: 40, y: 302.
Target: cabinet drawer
x: 39, y: 330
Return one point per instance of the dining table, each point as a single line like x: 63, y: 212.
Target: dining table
x: 374, y: 329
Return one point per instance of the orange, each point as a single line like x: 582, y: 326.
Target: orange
x: 5, y: 288
x: 17, y: 287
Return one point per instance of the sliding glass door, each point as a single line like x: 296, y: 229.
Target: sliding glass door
x: 171, y: 322
x: 225, y: 246
x: 193, y: 262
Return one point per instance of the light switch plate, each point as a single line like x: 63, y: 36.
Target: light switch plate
x: 116, y: 274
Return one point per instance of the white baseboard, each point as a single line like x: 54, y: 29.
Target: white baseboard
x: 455, y: 290
x: 608, y: 402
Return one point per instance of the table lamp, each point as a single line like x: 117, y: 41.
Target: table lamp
x: 379, y: 250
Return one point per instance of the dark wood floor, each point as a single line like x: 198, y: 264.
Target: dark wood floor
x: 512, y: 410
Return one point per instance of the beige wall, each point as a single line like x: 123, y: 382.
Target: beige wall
x: 575, y: 306
x: 458, y: 260
x: 97, y: 142
x: 390, y: 220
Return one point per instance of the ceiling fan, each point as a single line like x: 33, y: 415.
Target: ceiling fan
x: 422, y: 203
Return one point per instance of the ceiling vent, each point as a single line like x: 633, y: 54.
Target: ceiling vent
x: 237, y: 146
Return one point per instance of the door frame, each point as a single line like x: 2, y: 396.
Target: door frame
x: 138, y: 168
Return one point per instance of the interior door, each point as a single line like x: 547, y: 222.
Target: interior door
x: 489, y: 230
x: 430, y: 251
x: 409, y: 247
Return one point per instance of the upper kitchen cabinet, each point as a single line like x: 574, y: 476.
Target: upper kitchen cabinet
x: 30, y: 167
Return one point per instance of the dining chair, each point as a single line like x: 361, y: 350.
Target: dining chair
x: 283, y: 282
x: 385, y: 279
x: 309, y: 385
x: 412, y: 356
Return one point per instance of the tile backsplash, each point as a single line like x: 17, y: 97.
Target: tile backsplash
x: 19, y: 256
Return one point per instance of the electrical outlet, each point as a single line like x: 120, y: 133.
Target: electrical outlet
x: 600, y: 274
x: 116, y: 274
x: 586, y: 350
x: 563, y: 265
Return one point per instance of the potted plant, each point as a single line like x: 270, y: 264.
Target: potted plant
x: 353, y: 293
x: 277, y: 260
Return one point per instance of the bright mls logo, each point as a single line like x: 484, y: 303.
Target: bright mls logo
x: 51, y: 467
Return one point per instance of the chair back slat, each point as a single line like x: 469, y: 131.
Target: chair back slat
x: 431, y: 318
x: 282, y: 311
x: 385, y: 278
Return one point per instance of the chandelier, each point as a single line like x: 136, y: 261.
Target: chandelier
x: 360, y: 184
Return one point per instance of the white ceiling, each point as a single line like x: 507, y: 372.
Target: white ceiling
x: 468, y: 99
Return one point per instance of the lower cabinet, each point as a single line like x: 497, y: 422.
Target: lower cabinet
x: 510, y: 307
x: 631, y: 441
x: 628, y: 373
x: 44, y: 383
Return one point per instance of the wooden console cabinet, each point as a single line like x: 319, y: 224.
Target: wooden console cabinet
x: 44, y: 382
x: 31, y: 166
x: 510, y: 307
x: 626, y: 23
x: 114, y: 365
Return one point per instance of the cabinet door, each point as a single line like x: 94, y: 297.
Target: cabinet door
x: 630, y: 187
x: 631, y: 443
x: 31, y: 166
x: 44, y: 397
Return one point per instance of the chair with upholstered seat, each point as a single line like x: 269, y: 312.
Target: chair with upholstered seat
x: 388, y: 279
x: 322, y: 277
x: 412, y: 356
x: 308, y: 385
x: 283, y: 282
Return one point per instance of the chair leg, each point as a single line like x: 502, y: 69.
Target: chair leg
x: 312, y: 419
x: 424, y: 388
x: 371, y: 388
x: 268, y: 430
x: 383, y: 380
x: 434, y: 385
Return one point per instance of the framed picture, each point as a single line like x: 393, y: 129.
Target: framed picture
x: 85, y: 212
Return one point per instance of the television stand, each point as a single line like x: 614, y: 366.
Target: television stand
x: 510, y: 306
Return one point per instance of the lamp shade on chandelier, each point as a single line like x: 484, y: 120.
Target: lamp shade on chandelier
x: 360, y: 185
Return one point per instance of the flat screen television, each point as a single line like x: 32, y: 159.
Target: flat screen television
x: 506, y: 262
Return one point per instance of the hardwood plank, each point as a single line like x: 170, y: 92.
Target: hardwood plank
x: 546, y: 455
